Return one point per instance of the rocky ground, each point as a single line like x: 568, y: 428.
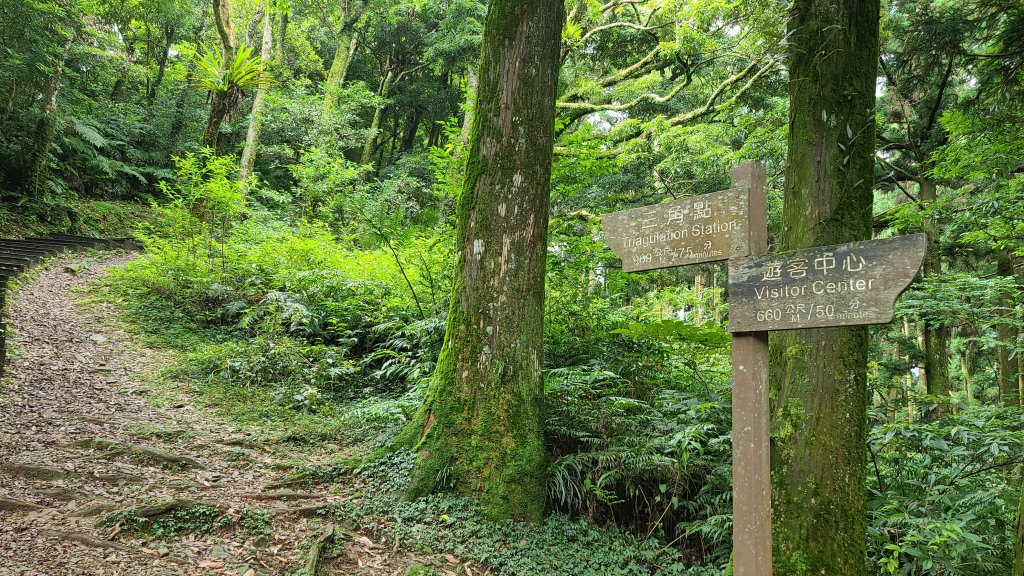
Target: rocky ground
x: 85, y: 457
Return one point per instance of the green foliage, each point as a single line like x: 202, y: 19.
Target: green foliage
x: 943, y: 498
x: 559, y: 545
x: 654, y: 459
x: 194, y: 518
x: 244, y: 71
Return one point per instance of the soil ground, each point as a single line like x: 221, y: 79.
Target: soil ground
x: 82, y: 436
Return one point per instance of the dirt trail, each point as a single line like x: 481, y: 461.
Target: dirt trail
x: 78, y: 441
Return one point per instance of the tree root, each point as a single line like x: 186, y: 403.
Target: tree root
x: 309, y: 511
x: 145, y: 452
x: 284, y: 496
x: 64, y: 494
x: 33, y: 472
x: 316, y: 550
x: 89, y: 540
x: 95, y: 510
x: 12, y: 505
x: 117, y: 478
x: 162, y: 508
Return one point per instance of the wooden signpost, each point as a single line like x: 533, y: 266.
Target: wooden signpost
x: 848, y: 284
x: 845, y: 285
x: 681, y: 232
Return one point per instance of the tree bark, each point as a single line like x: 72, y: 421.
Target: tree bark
x: 819, y: 376
x: 348, y: 41
x: 165, y: 53
x: 1018, y: 547
x: 1006, y: 333
x: 467, y: 116
x: 218, y: 105
x: 480, y: 429
x: 45, y: 129
x: 378, y: 115
x: 252, y: 136
x: 936, y: 336
x: 281, y: 56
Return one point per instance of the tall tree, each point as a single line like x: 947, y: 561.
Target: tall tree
x: 923, y: 69
x: 221, y: 100
x: 252, y: 137
x: 480, y: 427
x: 819, y: 376
x: 347, y: 41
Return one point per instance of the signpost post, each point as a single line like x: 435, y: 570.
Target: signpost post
x: 848, y: 284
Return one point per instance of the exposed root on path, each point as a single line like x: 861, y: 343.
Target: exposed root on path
x: 316, y: 550
x: 10, y: 504
x: 147, y: 453
x: 91, y: 541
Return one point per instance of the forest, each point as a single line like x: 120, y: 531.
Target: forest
x: 371, y: 253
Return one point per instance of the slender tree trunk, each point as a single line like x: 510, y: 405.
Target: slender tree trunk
x: 378, y: 115
x: 1006, y: 333
x: 412, y: 127
x: 480, y: 429
x: 280, y: 55
x: 348, y: 41
x: 936, y: 336
x: 45, y: 128
x: 161, y: 69
x: 1018, y: 547
x: 911, y: 385
x: 967, y: 366
x: 252, y: 136
x: 218, y: 104
x: 819, y: 376
x: 699, y: 284
x: 467, y: 116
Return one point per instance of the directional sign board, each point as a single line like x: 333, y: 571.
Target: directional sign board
x: 844, y: 285
x: 687, y: 231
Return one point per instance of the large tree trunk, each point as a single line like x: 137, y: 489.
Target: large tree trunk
x: 1006, y: 333
x: 218, y: 104
x: 819, y: 376
x: 480, y: 429
x: 46, y: 126
x: 252, y: 136
x: 936, y: 335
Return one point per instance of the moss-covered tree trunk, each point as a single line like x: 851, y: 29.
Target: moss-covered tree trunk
x: 480, y: 429
x: 378, y: 115
x: 936, y: 335
x: 819, y: 388
x: 1018, y: 547
x: 39, y: 175
x: 348, y: 41
x: 218, y: 98
x: 252, y: 136
x: 1006, y: 333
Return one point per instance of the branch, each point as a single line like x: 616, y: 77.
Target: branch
x: 587, y: 107
x: 933, y: 116
x: 611, y: 25
x: 710, y: 105
x: 619, y: 3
